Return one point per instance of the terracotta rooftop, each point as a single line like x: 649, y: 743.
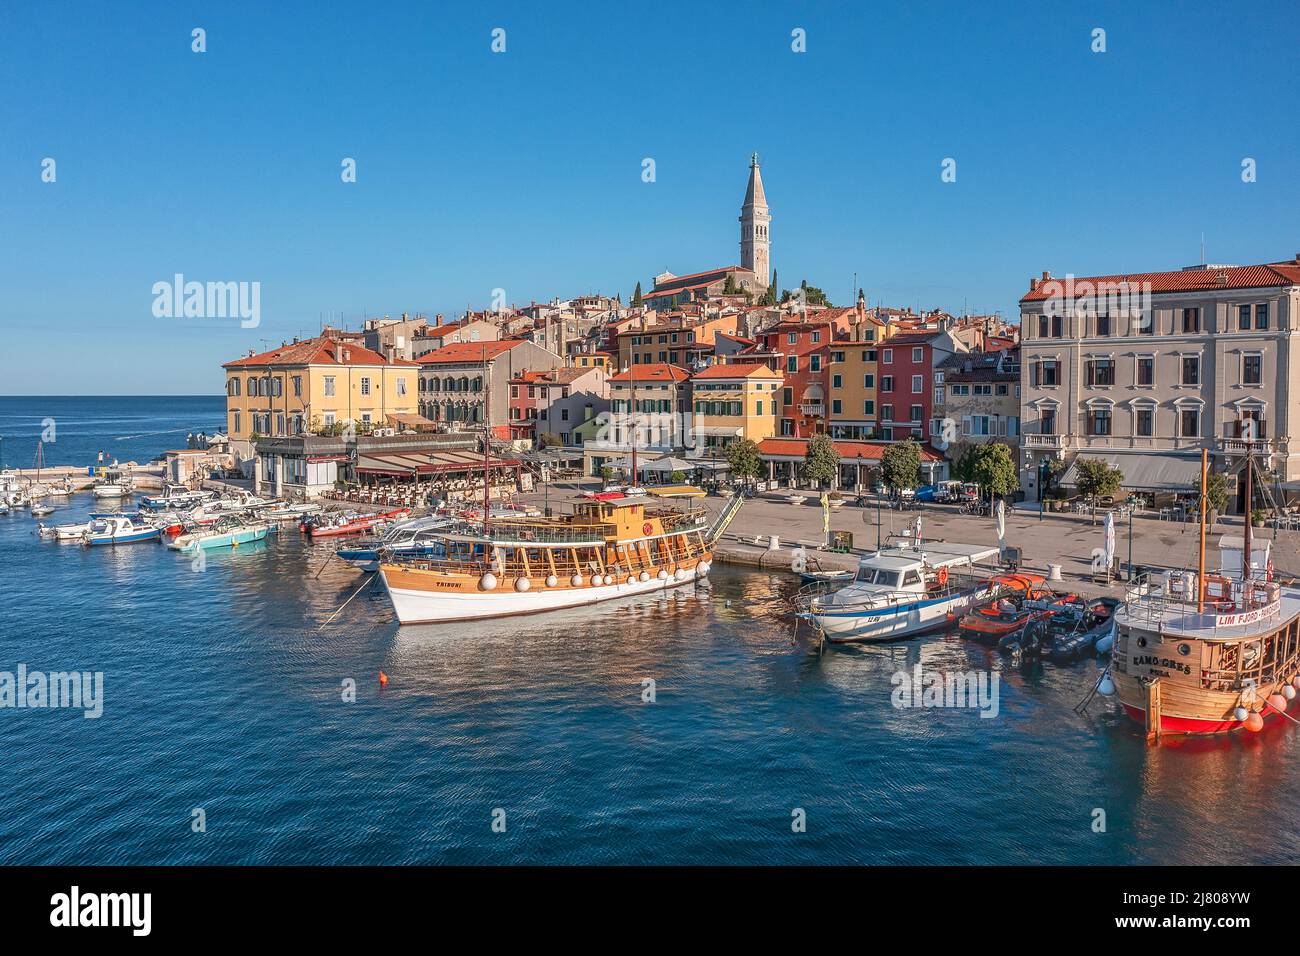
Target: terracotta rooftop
x: 460, y: 352
x: 847, y: 450
x: 737, y: 370
x: 318, y: 351
x: 1189, y: 280
x: 653, y: 372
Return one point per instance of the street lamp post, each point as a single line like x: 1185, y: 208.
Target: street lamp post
x: 877, y: 517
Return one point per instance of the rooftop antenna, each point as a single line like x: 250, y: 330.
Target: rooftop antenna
x: 1203, y: 259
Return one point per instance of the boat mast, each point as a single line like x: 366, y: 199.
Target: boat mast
x: 632, y: 375
x: 1245, y: 555
x: 487, y: 440
x: 1200, y: 568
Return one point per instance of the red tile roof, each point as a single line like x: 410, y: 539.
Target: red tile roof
x: 654, y: 372
x: 1193, y: 280
x: 738, y: 370
x: 847, y: 450
x: 459, y: 352
x: 318, y: 351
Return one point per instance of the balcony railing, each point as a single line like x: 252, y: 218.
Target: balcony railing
x: 812, y: 408
x: 1042, y: 441
x: 1238, y: 446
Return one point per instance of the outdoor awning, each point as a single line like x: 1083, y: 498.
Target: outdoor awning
x: 667, y: 464
x: 418, y: 422
x: 430, y: 463
x: 1144, y: 472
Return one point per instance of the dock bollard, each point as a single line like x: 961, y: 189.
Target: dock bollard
x: 1054, y: 572
x: 773, y: 542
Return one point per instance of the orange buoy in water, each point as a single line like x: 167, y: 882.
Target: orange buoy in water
x: 383, y: 679
x: 1255, y: 722
x: 1277, y: 702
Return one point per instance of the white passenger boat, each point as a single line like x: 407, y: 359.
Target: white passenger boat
x: 901, y: 592
x: 604, y: 550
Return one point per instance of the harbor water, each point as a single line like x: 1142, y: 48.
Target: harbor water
x: 224, y: 694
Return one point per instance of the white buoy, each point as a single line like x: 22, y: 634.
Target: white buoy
x: 662, y: 575
x: 488, y: 582
x: 644, y: 576
x: 576, y: 580
x: 1106, y: 687
x: 1241, y: 713
x: 1288, y: 692
x: 522, y: 584
x: 681, y: 574
x: 552, y: 580
x: 631, y: 579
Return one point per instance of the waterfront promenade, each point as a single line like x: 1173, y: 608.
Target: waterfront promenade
x: 1056, y: 538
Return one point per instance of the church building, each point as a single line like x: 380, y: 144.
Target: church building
x: 752, y: 275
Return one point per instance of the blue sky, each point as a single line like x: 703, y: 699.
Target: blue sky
x: 522, y: 170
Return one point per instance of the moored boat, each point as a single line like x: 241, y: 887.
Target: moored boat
x: 112, y: 483
x: 225, y: 533
x: 117, y: 529
x: 1209, y: 653
x: 348, y: 522
x: 175, y: 497
x: 901, y: 592
x: 418, y: 536
x: 603, y: 550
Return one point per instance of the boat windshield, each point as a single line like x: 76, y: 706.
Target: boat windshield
x: 879, y: 576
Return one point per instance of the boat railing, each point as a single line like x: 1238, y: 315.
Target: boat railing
x: 519, y: 530
x: 1173, y: 603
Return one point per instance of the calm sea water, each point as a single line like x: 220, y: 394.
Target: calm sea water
x: 222, y: 692
x: 128, y: 428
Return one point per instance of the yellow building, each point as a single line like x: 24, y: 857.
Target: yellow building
x: 852, y: 372
x: 314, y: 387
x: 733, y: 402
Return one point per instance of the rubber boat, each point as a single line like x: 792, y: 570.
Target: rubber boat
x: 1016, y: 600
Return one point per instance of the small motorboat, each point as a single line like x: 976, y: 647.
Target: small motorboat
x: 118, y: 529
x: 417, y: 538
x: 283, y: 512
x: 113, y: 483
x: 42, y: 509
x: 65, y: 532
x: 228, y: 532
x: 348, y: 522
x: 833, y: 576
x: 174, y: 497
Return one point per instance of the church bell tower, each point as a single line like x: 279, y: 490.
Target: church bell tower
x: 755, y: 243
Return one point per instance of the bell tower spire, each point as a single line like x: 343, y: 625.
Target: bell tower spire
x: 755, y: 243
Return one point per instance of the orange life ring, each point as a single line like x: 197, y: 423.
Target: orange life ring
x: 647, y: 528
x: 942, y: 576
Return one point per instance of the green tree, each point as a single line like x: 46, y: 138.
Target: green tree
x: 821, y: 462
x: 636, y: 297
x: 1216, y: 491
x: 900, y: 466
x: 994, y: 468
x: 677, y: 477
x: 743, y: 458
x: 729, y: 286
x: 1097, y: 479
